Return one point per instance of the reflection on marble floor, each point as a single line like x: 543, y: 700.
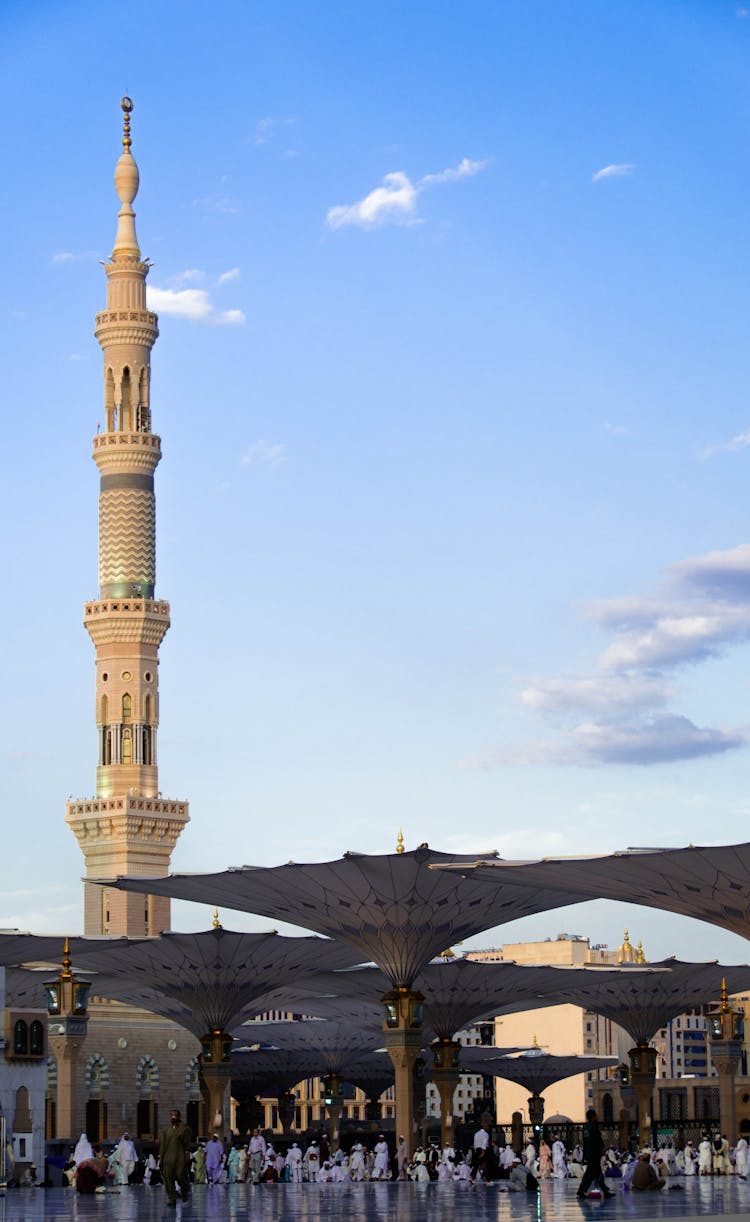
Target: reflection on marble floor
x: 378, y: 1203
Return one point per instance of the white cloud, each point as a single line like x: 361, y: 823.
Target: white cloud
x: 189, y: 276
x: 223, y: 204
x: 466, y: 168
x: 613, y: 171
x: 616, y: 430
x: 68, y: 256
x: 193, y: 304
x: 232, y: 274
x: 658, y: 740
x: 271, y: 453
x: 595, y: 693
x: 701, y: 610
x: 716, y: 571
x: 395, y: 200
x: 266, y: 129
x: 739, y: 442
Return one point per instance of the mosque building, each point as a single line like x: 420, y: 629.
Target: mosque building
x: 138, y: 1065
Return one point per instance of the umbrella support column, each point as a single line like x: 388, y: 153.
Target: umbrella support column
x: 403, y: 1038
x: 642, y: 1078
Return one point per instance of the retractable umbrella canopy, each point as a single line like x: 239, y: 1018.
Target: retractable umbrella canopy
x: 711, y: 883
x: 535, y: 1070
x: 216, y: 975
x: 395, y: 910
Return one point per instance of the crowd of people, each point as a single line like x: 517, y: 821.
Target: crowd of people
x: 177, y: 1162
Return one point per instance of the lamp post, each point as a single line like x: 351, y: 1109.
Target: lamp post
x: 404, y: 1015
x: 727, y: 1033
x: 287, y: 1101
x: 446, y: 1074
x: 67, y: 1024
x: 216, y: 1069
x: 642, y: 1077
x: 333, y: 1097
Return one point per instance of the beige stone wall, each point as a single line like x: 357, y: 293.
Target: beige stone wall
x: 121, y: 1041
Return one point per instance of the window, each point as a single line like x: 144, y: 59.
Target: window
x: 20, y: 1038
x: 36, y: 1039
x: 127, y: 707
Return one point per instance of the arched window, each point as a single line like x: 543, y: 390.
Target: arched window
x: 127, y: 746
x: 36, y: 1039
x: 107, y: 753
x: 127, y: 708
x: 97, y: 1075
x: 109, y: 402
x: 608, y: 1112
x: 21, y: 1038
x: 148, y: 711
x: 126, y: 422
x: 147, y: 745
x: 104, y: 711
x: 146, y: 1077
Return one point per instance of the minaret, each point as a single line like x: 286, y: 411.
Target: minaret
x: 128, y: 828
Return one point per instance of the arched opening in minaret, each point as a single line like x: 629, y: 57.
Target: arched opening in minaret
x: 148, y: 716
x: 127, y: 746
x: 107, y: 752
x: 143, y: 421
x: 127, y: 707
x: 104, y: 713
x: 126, y: 402
x: 109, y: 402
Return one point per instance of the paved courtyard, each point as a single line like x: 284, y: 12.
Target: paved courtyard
x: 377, y: 1203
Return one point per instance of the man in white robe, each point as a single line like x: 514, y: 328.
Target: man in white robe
x: 311, y: 1162
x: 402, y: 1157
x: 381, y: 1170
x: 294, y: 1163
x: 124, y: 1160
x: 357, y: 1163
x: 559, y: 1160
x: 705, y: 1156
x: 741, y: 1158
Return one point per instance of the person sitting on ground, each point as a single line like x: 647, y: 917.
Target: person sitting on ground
x: 645, y: 1178
x: 92, y: 1172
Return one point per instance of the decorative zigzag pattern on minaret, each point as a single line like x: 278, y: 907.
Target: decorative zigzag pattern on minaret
x: 128, y: 828
x: 127, y: 551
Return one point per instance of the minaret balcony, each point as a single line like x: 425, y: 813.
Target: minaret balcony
x: 142, y: 620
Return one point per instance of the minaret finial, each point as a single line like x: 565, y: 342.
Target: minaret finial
x: 641, y: 955
x: 400, y: 841
x: 724, y: 996
x: 127, y: 106
x: 126, y: 186
x: 216, y: 922
x: 66, y: 963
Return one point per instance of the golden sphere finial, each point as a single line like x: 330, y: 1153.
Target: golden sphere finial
x: 400, y: 841
x: 127, y: 105
x: 216, y: 922
x: 66, y: 963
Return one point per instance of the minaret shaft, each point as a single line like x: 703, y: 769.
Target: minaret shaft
x: 128, y: 828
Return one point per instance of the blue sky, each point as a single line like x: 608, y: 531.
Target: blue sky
x: 452, y: 388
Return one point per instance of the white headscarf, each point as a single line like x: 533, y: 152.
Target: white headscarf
x: 83, y: 1150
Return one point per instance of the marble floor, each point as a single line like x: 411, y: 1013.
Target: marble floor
x: 727, y: 1198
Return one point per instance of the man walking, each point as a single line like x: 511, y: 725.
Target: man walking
x: 174, y: 1153
x: 593, y: 1148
